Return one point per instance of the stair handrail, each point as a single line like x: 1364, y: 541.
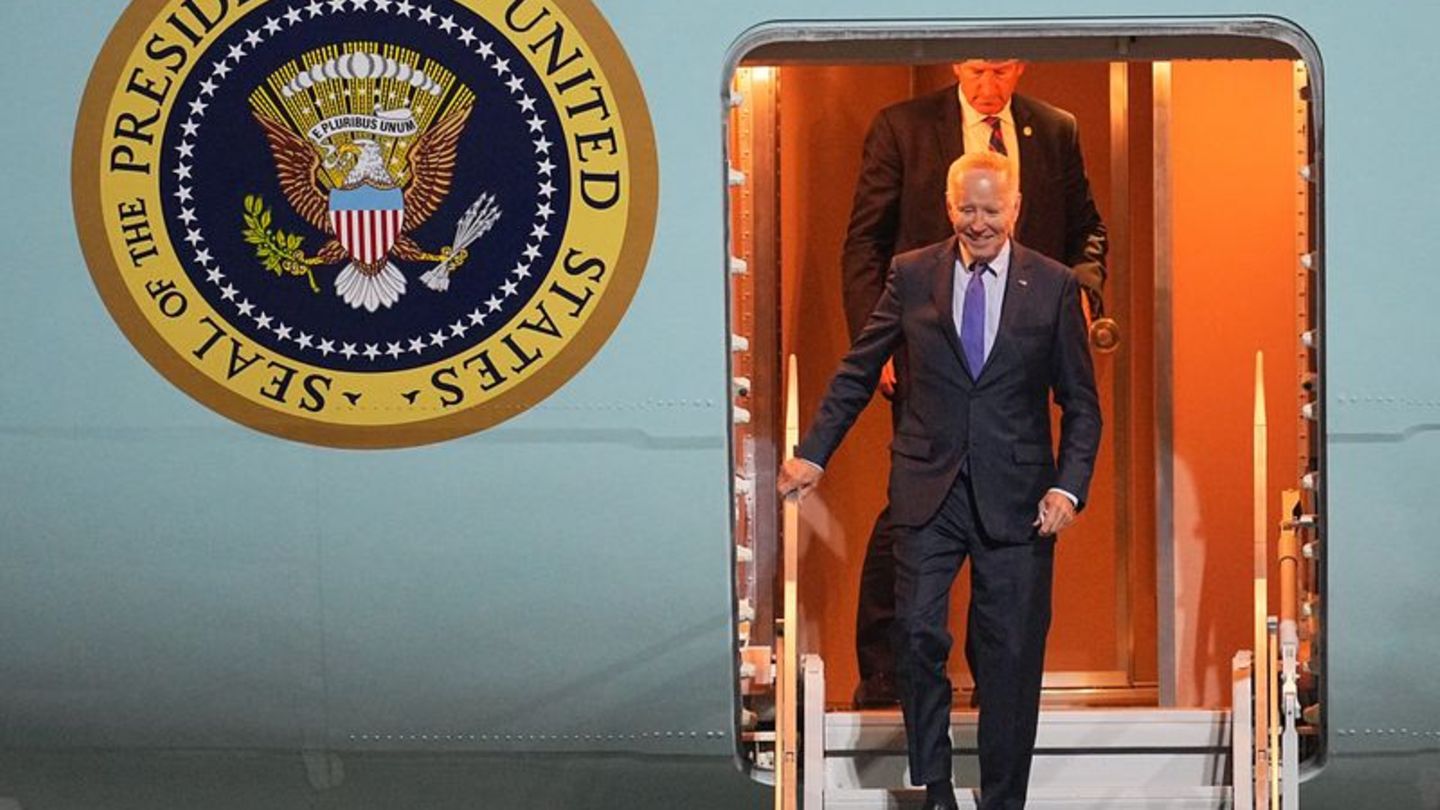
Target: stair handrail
x: 1261, y: 558
x: 787, y: 631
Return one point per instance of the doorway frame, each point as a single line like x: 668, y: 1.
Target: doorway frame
x: 1115, y: 40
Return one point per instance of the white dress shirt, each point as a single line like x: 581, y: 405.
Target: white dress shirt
x: 975, y: 133
x: 994, y: 281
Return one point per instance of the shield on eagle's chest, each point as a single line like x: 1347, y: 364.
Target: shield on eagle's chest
x: 367, y: 220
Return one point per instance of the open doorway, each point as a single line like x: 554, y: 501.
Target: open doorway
x: 1202, y: 152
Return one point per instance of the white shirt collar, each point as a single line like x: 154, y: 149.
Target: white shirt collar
x: 969, y: 116
x: 1000, y: 264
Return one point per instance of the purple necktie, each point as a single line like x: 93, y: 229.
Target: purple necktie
x: 972, y: 320
x: 997, y: 137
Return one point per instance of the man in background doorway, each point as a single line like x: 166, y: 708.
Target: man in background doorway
x: 898, y: 206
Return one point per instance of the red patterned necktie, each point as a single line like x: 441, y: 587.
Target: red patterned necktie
x: 997, y: 137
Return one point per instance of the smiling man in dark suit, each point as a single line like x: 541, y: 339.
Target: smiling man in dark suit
x: 990, y: 330
x: 897, y: 208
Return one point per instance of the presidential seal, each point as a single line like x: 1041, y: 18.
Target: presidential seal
x: 365, y: 223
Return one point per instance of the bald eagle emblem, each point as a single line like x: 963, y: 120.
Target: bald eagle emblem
x: 364, y: 140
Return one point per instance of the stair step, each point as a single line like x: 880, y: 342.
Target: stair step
x: 1077, y: 798
x: 1071, y: 730
x: 1112, y: 751
x: 1121, y: 771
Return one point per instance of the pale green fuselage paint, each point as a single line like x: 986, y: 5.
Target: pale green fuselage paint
x: 195, y: 614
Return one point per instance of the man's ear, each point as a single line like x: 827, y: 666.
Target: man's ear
x: 949, y: 208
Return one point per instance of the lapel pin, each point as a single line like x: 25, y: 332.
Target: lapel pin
x: 1029, y: 131
x: 1022, y: 282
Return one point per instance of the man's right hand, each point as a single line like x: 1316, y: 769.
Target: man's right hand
x: 887, y: 379
x: 798, y: 475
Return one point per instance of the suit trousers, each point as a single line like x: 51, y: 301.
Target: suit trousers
x: 1009, y: 617
x: 875, y: 605
x: 875, y: 608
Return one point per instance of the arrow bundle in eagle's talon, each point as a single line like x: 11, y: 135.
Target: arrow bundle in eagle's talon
x: 479, y: 218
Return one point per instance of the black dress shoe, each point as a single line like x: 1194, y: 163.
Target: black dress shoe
x: 940, y: 795
x: 876, y: 692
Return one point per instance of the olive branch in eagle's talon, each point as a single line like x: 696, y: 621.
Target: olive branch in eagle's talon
x: 280, y: 252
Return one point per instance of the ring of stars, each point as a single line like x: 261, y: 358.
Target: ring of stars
x: 420, y: 12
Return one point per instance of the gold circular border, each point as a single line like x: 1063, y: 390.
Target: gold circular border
x: 627, y: 271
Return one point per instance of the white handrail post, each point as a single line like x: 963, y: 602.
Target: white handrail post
x: 1261, y: 668
x: 787, y: 636
x: 1242, y: 743
x: 813, y: 744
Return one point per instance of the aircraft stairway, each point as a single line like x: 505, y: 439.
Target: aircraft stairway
x: 1086, y: 759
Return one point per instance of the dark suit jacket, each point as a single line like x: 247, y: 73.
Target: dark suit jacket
x: 1000, y: 420
x: 900, y: 194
